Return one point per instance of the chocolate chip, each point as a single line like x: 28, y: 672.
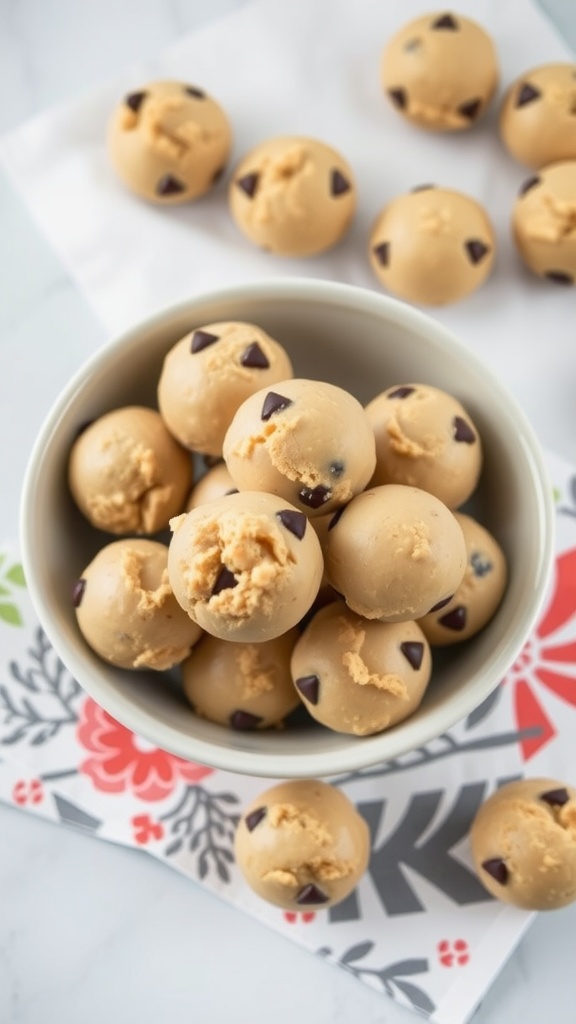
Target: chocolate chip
x: 481, y: 565
x: 78, y: 592
x: 421, y: 188
x: 309, y: 895
x: 559, y: 277
x: 462, y: 431
x: 441, y: 604
x: 413, y: 651
x: 243, y: 721
x: 254, y: 818
x: 382, y: 253
x: 295, y: 522
x: 528, y: 184
x: 225, y: 580
x: 134, y: 100
x: 476, y: 250
x: 528, y: 93
x: 169, y: 186
x: 336, y: 517
x: 556, y: 797
x: 194, y: 91
x: 446, y: 21
x: 201, y: 339
x: 309, y: 687
x: 274, y: 403
x: 254, y: 357
x: 337, y: 468
x: 398, y: 97
x: 455, y: 619
x: 470, y: 109
x: 401, y: 392
x: 496, y: 867
x: 248, y: 183
x: 314, y: 497
x: 338, y: 183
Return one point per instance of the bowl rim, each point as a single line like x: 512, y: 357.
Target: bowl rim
x: 365, y: 751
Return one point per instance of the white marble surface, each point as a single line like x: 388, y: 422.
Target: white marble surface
x: 90, y: 931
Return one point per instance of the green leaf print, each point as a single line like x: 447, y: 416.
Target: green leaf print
x: 10, y: 614
x: 15, y: 575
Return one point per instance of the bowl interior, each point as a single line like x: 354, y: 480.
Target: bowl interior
x: 363, y: 342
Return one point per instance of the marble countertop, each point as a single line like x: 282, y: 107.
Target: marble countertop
x: 90, y: 931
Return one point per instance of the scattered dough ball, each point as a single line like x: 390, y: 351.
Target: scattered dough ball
x: 126, y: 610
x: 246, y: 567
x: 307, y: 441
x: 169, y: 142
x: 544, y: 223
x: 293, y: 196
x: 127, y: 474
x: 302, y: 844
x: 209, y: 373
x: 358, y: 676
x: 425, y: 438
x: 242, y: 686
x: 523, y: 842
x: 432, y: 246
x: 479, y: 594
x: 537, y: 122
x: 440, y: 71
x: 215, y: 483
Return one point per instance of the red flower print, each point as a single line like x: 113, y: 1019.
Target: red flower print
x: 294, y: 916
x: 547, y: 661
x: 453, y: 954
x: 146, y: 829
x: 28, y: 791
x: 120, y: 761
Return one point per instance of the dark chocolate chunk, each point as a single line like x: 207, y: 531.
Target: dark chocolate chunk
x: 335, y: 518
x: 401, y: 392
x: 309, y: 687
x: 398, y: 97
x: 310, y: 895
x: 528, y: 184
x: 476, y: 250
x: 274, y: 403
x: 470, y: 109
x: 243, y: 721
x: 249, y: 183
x: 441, y: 604
x: 447, y: 21
x: 254, y: 357
x: 254, y: 818
x: 78, y: 592
x: 295, y: 522
x: 201, y: 339
x: 497, y: 868
x: 338, y: 183
x: 462, y: 431
x: 413, y: 651
x: 314, y: 497
x: 528, y: 93
x: 422, y: 188
x: 481, y: 565
x: 225, y: 580
x: 134, y: 100
x: 556, y: 797
x: 194, y: 91
x: 382, y: 253
x: 169, y: 186
x: 337, y: 468
x: 559, y: 276
x: 455, y: 619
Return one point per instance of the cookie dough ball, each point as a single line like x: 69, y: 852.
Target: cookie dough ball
x: 537, y: 123
x: 543, y: 223
x: 394, y: 553
x: 209, y: 373
x: 440, y: 71
x: 479, y: 594
x: 523, y: 842
x: 360, y: 677
x: 302, y: 844
x: 432, y: 246
x: 307, y: 441
x: 242, y: 686
x: 425, y: 438
x: 246, y: 567
x: 127, y: 474
x: 169, y: 142
x: 293, y: 196
x: 126, y: 610
x: 215, y: 483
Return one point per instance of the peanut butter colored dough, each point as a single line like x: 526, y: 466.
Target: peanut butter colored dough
x: 479, y: 594
x: 440, y: 71
x: 425, y: 438
x: 126, y: 610
x: 246, y: 567
x: 358, y: 676
x: 242, y: 686
x: 215, y: 483
x: 126, y: 472
x: 394, y: 553
x: 169, y: 142
x: 293, y: 196
x: 537, y: 118
x: 544, y: 223
x: 209, y: 373
x: 302, y: 844
x: 306, y: 440
x: 523, y: 842
x: 432, y: 246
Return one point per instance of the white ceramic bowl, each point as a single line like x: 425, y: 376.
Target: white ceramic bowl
x: 364, y: 342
